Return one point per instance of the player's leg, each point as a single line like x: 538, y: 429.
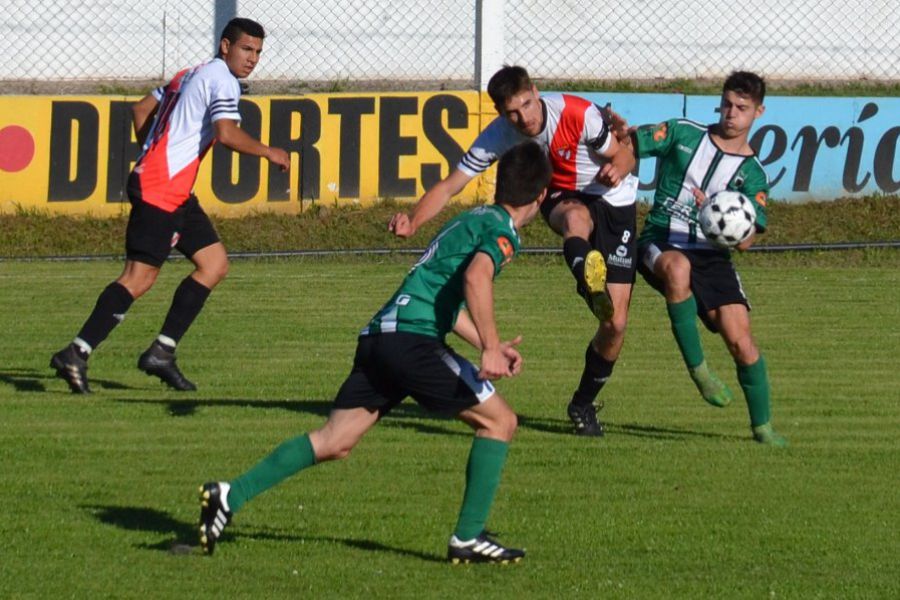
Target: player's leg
x: 733, y: 322
x: 614, y: 239
x: 569, y: 217
x: 200, y: 243
x: 363, y: 397
x: 148, y: 238
x: 219, y: 500
x: 673, y: 269
x: 599, y: 360
x: 443, y: 381
x: 495, y: 424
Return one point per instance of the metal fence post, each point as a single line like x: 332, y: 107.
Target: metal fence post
x: 489, y: 40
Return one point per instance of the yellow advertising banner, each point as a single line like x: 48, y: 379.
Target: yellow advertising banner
x: 72, y: 155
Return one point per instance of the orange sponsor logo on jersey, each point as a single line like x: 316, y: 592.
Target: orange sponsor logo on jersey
x: 506, y: 248
x: 761, y: 198
x: 662, y: 130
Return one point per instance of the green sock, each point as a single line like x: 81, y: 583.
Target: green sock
x: 683, y: 316
x: 290, y: 457
x: 755, y: 382
x: 486, y: 460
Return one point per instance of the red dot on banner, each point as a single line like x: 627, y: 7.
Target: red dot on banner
x: 16, y: 148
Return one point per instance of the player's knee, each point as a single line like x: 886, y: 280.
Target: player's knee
x: 614, y: 329
x: 675, y: 272
x: 577, y: 223
x: 743, y: 349
x: 505, y: 426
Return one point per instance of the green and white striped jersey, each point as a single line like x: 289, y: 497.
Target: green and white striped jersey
x: 687, y: 159
x: 430, y: 298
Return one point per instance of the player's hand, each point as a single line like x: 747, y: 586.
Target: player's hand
x: 512, y: 354
x: 401, y: 225
x: 494, y: 363
x: 699, y: 196
x: 609, y: 175
x: 618, y: 125
x: 279, y: 157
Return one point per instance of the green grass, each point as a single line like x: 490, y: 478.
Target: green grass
x: 675, y: 501
x: 36, y: 233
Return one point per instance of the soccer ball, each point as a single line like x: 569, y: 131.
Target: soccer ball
x: 727, y: 218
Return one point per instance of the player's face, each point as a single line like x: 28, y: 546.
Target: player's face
x: 241, y: 56
x: 736, y: 114
x: 524, y: 111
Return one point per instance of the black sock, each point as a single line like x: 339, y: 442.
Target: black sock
x: 186, y: 305
x: 596, y: 371
x: 112, y: 304
x: 576, y: 248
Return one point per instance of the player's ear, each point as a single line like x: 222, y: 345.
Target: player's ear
x: 759, y: 111
x: 224, y: 46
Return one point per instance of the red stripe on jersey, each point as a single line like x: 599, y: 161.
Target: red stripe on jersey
x: 152, y: 168
x: 564, y: 145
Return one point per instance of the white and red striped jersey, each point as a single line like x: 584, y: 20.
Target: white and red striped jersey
x: 182, y: 131
x: 574, y: 135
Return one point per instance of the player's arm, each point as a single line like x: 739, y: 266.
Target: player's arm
x: 429, y: 205
x: 142, y: 113
x: 230, y: 135
x: 465, y: 328
x: 602, y: 138
x: 479, y: 293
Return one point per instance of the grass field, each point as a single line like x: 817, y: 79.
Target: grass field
x: 675, y: 501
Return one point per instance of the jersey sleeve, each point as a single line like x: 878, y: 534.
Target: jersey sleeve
x: 596, y: 132
x: 500, y: 246
x: 756, y: 187
x: 656, y: 140
x: 224, y: 95
x: 488, y: 147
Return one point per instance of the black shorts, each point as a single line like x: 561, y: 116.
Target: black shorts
x: 714, y: 280
x: 152, y: 232
x: 614, y: 233
x: 388, y: 367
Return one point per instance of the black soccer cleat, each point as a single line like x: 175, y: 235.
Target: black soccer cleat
x: 482, y: 549
x: 213, y: 516
x: 71, y: 368
x: 584, y: 417
x: 160, y: 362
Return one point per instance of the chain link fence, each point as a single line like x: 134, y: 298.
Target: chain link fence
x: 432, y: 43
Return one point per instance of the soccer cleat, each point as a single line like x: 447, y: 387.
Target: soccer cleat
x: 713, y: 389
x: 584, y: 417
x: 595, y: 295
x: 481, y: 549
x: 213, y: 514
x: 72, y: 368
x: 764, y: 434
x: 160, y: 362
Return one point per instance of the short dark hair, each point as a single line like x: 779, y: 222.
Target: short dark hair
x: 507, y: 82
x: 745, y: 83
x: 235, y: 27
x: 523, y: 173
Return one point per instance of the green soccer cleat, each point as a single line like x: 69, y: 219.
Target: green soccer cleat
x: 764, y: 434
x: 713, y: 389
x: 595, y: 286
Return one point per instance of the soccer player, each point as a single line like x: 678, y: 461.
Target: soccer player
x: 402, y: 352
x: 177, y: 124
x: 590, y: 204
x: 695, y: 161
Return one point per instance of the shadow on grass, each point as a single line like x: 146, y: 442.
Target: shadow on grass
x: 32, y: 380
x: 404, y: 416
x: 564, y: 427
x: 152, y: 521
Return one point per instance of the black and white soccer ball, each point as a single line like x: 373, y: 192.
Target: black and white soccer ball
x: 727, y: 218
